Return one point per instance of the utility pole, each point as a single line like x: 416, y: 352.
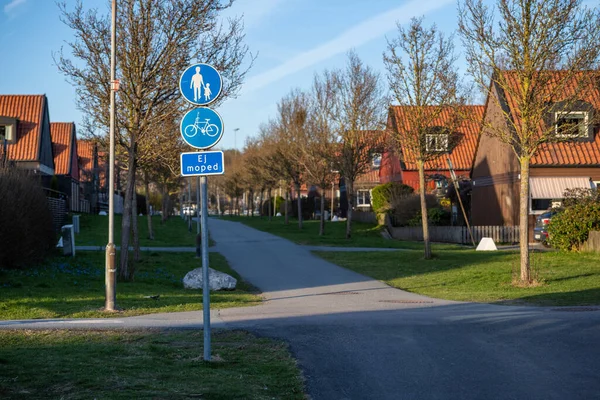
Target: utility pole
x: 457, y: 190
x: 111, y: 270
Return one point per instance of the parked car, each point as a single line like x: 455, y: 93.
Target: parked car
x: 540, y: 231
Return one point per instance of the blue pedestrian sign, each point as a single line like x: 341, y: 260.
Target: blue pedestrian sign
x: 201, y: 128
x: 202, y: 163
x: 200, y: 84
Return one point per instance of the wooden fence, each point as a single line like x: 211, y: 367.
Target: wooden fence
x: 458, y: 234
x: 364, y: 216
x: 58, y: 207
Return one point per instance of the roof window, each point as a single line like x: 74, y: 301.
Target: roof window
x: 571, y: 124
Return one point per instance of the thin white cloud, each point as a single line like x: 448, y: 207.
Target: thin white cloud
x: 10, y: 7
x: 254, y: 11
x: 356, y: 36
x: 257, y: 10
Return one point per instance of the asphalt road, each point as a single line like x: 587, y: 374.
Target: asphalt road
x: 357, y: 338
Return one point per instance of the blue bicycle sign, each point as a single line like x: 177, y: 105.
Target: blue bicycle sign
x: 206, y: 128
x: 201, y: 128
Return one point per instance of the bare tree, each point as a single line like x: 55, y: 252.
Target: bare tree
x: 319, y: 145
x: 292, y: 124
x: 541, y: 57
x: 357, y: 116
x: 157, y: 40
x: 424, y: 81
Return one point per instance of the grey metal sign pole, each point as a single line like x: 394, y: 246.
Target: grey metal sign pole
x: 205, y: 277
x: 200, y: 84
x: 110, y: 268
x: 198, y: 208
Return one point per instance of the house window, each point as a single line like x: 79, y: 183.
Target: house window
x: 363, y: 198
x: 572, y: 124
x: 436, y: 142
x: 8, y: 129
x: 6, y: 133
x: 376, y: 160
x: 540, y: 204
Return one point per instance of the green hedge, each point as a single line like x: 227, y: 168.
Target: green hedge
x: 26, y: 231
x: 384, y: 196
x: 569, y: 229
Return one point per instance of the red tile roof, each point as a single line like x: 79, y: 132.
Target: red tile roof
x: 462, y: 155
x: 62, y: 139
x: 28, y: 110
x: 369, y: 177
x: 566, y: 153
x: 85, y: 151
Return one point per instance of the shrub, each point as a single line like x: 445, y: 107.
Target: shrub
x: 26, y: 231
x: 384, y: 196
x: 409, y: 207
x: 570, y: 228
x: 435, y: 217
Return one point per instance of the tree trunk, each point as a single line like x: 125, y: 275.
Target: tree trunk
x: 165, y: 204
x: 287, y: 199
x: 524, y: 221
x: 148, y: 212
x: 218, y: 202
x: 322, y: 224
x: 251, y: 210
x: 124, y: 272
x: 135, y: 231
x: 350, y: 196
x: 299, y: 206
x: 424, y: 222
x: 260, y: 200
x: 269, y: 206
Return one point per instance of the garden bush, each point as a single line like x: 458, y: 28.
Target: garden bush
x: 569, y: 229
x: 26, y: 231
x: 436, y: 216
x: 409, y: 207
x: 384, y: 196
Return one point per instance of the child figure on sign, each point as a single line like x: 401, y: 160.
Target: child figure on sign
x: 207, y: 92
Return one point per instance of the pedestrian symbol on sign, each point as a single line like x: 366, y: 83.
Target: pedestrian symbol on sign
x: 200, y: 84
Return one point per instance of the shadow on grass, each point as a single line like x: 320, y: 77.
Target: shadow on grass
x: 74, y: 287
x: 587, y: 297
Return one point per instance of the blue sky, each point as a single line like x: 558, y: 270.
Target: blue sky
x: 294, y: 40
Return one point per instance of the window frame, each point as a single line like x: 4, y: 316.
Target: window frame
x: 439, y: 137
x: 376, y: 160
x: 359, y: 196
x: 583, y: 127
x: 10, y: 125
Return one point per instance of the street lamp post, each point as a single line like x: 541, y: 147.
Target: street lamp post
x: 235, y: 138
x: 111, y: 270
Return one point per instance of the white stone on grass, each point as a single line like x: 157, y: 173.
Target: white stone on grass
x: 487, y: 244
x: 217, y: 280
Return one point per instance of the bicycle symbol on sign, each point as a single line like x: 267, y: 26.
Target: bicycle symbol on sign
x: 206, y: 128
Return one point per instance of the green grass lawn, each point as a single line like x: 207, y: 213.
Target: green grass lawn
x: 363, y: 235
x: 144, y: 365
x: 172, y: 233
x: 74, y: 287
x: 467, y: 275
